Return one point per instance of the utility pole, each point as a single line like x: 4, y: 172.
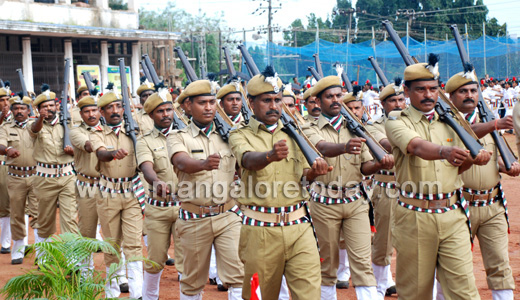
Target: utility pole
x: 270, y: 10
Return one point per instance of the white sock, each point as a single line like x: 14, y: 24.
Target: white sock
x: 343, y: 273
x: 135, y: 279
x: 367, y: 293
x: 5, y: 235
x: 112, y: 287
x: 234, y: 293
x: 26, y: 238
x: 383, y: 276
x: 284, y: 290
x: 328, y: 292
x: 502, y: 294
x: 151, y: 285
x: 98, y: 233
x: 18, y: 250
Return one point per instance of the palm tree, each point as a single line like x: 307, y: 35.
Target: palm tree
x: 63, y: 270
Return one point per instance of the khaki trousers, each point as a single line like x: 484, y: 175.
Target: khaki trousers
x: 275, y: 251
x: 425, y: 241
x: 384, y: 207
x: 489, y: 225
x: 121, y: 222
x: 352, y: 218
x: 196, y: 237
x: 4, y: 194
x: 87, y: 198
x: 49, y: 191
x: 23, y: 202
x: 160, y: 225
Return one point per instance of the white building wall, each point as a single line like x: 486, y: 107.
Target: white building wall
x: 95, y: 16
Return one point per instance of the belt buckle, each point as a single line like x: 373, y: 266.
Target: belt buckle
x: 213, y: 210
x: 435, y: 204
x: 282, y: 217
x: 58, y: 170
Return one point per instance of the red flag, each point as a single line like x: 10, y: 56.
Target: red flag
x: 255, y: 288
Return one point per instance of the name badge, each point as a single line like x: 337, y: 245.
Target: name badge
x: 197, y: 151
x: 110, y: 147
x: 13, y: 134
x: 157, y: 149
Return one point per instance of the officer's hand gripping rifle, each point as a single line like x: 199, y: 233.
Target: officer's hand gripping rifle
x: 486, y: 115
x: 151, y: 75
x: 64, y: 109
x: 223, y: 126
x: 447, y: 112
x: 131, y: 127
x: 245, y: 110
x: 355, y: 126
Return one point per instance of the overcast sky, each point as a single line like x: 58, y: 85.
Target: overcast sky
x: 239, y: 13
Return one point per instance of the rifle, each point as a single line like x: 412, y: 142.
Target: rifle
x: 317, y: 62
x: 290, y: 127
x: 355, y: 126
x: 151, y: 75
x: 64, y: 110
x: 485, y: 114
x: 378, y: 70
x: 203, y: 73
x: 89, y: 82
x: 245, y: 110
x: 24, y: 89
x: 131, y: 127
x: 223, y: 126
x: 145, y: 70
x: 447, y: 112
x: 250, y: 63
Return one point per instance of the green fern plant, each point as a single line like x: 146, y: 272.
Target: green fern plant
x: 63, y: 270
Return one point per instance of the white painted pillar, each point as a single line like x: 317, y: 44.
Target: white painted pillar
x: 102, y: 4
x: 104, y: 65
x: 27, y: 63
x: 133, y: 6
x: 135, y: 67
x: 68, y: 54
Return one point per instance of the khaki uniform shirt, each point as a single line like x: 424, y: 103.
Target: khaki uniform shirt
x: 144, y: 122
x: 18, y: 138
x: 308, y: 119
x: 48, y: 144
x: 483, y: 177
x: 75, y: 115
x: 197, y: 188
x: 152, y: 147
x: 347, y: 167
x: 378, y: 131
x: 84, y: 162
x: 270, y: 180
x: 427, y: 176
x: 106, y: 139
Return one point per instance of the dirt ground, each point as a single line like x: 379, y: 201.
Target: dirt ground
x: 169, y: 289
